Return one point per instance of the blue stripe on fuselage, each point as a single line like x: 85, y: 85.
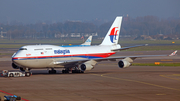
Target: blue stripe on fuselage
x: 87, y: 57
x: 76, y: 46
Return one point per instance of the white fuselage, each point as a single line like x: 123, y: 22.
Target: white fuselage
x: 45, y: 56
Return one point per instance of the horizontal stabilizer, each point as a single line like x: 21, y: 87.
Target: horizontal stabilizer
x: 124, y: 48
x: 173, y: 53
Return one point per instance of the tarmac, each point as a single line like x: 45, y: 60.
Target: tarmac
x: 106, y: 82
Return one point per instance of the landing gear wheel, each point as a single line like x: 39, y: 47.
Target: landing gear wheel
x: 27, y: 74
x: 11, y: 75
x: 77, y: 71
x: 52, y: 71
x: 65, y: 71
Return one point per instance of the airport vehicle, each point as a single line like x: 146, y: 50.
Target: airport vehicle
x: 86, y: 43
x: 75, y: 59
x: 5, y: 73
x: 12, y: 98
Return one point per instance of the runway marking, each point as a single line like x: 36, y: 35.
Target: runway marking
x: 136, y: 81
x: 166, y: 60
x: 138, y: 53
x: 12, y: 95
x: 166, y: 76
x: 160, y: 94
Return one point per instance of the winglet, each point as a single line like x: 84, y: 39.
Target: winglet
x: 173, y: 53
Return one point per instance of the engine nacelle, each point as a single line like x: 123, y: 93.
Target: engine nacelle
x: 85, y: 67
x: 124, y: 64
x: 15, y: 66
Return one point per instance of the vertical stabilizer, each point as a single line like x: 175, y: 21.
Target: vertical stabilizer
x: 112, y: 36
x: 88, y: 41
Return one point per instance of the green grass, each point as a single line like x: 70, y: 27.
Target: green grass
x: 21, y: 42
x: 80, y: 40
x: 5, y: 54
x: 143, y: 48
x: 152, y: 64
x: 152, y: 48
x: 11, y: 45
x: 150, y: 42
x: 94, y: 41
x: 41, y: 41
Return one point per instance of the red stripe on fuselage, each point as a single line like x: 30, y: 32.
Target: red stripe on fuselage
x: 101, y: 55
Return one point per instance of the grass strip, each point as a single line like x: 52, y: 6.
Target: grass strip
x: 153, y: 64
x: 152, y: 48
x: 145, y: 48
x: 94, y: 41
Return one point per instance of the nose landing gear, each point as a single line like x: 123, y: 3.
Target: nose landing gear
x: 27, y: 72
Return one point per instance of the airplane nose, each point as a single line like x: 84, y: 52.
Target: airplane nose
x: 15, y: 60
x: 14, y: 57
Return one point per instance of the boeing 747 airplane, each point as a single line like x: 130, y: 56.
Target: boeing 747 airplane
x: 75, y: 59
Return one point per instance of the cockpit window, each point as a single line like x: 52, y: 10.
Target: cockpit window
x: 23, y: 49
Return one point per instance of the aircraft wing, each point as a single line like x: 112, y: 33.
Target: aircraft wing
x: 124, y: 48
x: 134, y: 57
x: 80, y: 61
x: 123, y: 57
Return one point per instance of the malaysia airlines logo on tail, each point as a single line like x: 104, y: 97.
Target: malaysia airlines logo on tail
x: 113, y: 34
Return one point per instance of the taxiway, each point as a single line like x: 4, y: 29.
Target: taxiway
x: 106, y: 82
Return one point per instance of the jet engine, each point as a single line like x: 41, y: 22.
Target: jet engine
x: 86, y: 67
x: 124, y: 64
x: 15, y: 66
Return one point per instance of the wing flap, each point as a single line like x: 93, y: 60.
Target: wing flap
x: 66, y: 62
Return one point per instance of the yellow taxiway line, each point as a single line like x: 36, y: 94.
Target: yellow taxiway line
x: 103, y: 75
x: 167, y: 76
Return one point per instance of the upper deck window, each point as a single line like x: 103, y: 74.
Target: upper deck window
x: 23, y: 49
x: 48, y: 48
x: 38, y: 49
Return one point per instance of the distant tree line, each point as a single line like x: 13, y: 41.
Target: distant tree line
x: 147, y: 25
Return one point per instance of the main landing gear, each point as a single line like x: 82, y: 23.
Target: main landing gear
x: 67, y: 70
x: 75, y: 70
x: 52, y: 71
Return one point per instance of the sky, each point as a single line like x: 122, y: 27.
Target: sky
x: 31, y: 11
